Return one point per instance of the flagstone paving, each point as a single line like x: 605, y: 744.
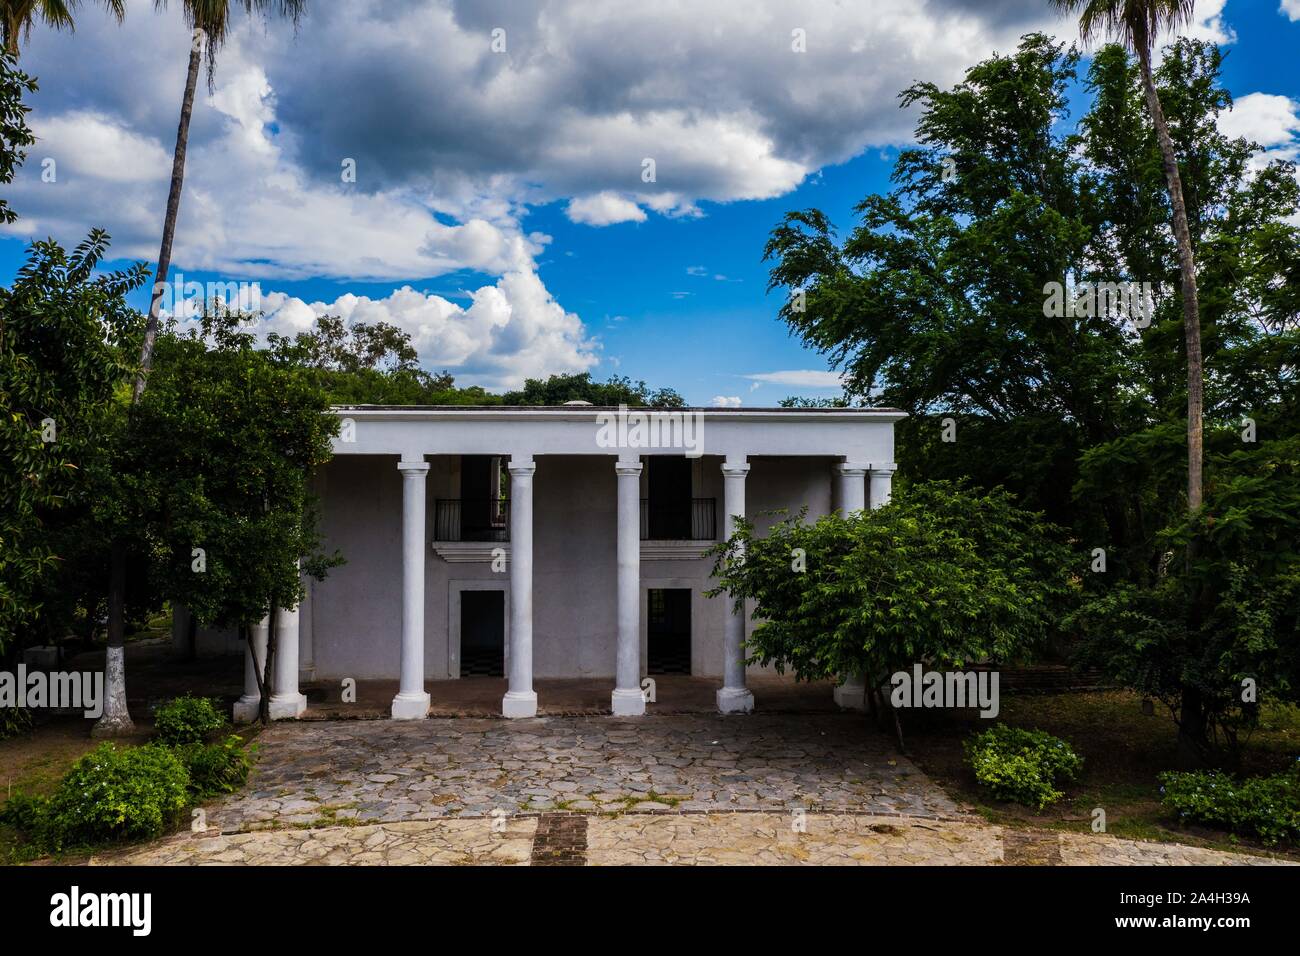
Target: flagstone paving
x: 744, y: 838
x: 388, y: 772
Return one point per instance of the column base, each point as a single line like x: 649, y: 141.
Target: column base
x: 411, y: 706
x: 627, y: 703
x: 735, y: 700
x: 518, y: 704
x: 287, y: 706
x: 246, y: 709
x: 851, y: 695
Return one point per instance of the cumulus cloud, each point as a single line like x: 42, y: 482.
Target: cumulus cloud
x: 1290, y: 9
x: 604, y: 209
x: 727, y: 401
x: 1267, y: 119
x: 509, y: 331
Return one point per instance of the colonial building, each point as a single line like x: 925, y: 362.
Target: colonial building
x: 554, y: 542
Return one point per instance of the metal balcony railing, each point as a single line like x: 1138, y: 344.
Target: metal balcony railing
x: 471, y: 519
x: 698, y: 522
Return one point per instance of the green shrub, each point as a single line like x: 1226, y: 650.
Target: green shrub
x: 111, y: 794
x: 215, y: 768
x: 14, y: 721
x: 1023, y: 766
x: 1263, y: 807
x: 188, y: 720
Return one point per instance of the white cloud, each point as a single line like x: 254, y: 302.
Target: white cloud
x: 798, y: 378
x: 510, y: 331
x: 604, y: 209
x: 1264, y: 118
x: 727, y: 401
x: 1291, y: 8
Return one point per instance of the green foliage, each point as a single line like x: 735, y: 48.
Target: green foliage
x: 66, y: 339
x: 15, y: 136
x: 188, y: 720
x: 559, y: 389
x: 222, y: 450
x: 1263, y: 807
x: 943, y: 574
x: 934, y: 304
x: 114, y: 794
x: 14, y: 721
x: 1024, y: 766
x: 216, y: 768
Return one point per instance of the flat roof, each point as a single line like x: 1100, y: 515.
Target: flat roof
x: 707, y: 409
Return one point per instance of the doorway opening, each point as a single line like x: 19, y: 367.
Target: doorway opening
x: 668, y: 631
x: 482, y: 633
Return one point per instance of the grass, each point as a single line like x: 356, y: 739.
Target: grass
x: 1123, y: 750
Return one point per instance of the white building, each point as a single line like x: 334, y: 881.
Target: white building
x: 554, y: 542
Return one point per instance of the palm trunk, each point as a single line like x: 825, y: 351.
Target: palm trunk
x: 116, y: 720
x: 1187, y: 267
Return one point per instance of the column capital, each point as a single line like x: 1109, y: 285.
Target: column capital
x: 884, y: 467
x: 852, y: 468
x: 413, y: 466
x: 628, y: 468
x: 522, y: 466
x: 735, y: 468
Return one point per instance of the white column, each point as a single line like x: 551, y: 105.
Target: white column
x: 412, y: 701
x: 733, y: 696
x: 520, y: 700
x: 627, y: 699
x: 254, y: 660
x: 286, y: 702
x: 853, y: 486
x: 882, y: 482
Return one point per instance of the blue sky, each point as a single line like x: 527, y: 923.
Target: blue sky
x: 505, y: 190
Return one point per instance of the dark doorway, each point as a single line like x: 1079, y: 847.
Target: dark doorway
x: 482, y: 633
x: 668, y: 631
x: 669, y: 504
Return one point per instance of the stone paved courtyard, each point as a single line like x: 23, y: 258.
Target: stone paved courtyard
x: 386, y: 771
x: 739, y: 838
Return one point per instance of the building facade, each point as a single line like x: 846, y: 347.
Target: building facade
x: 554, y: 542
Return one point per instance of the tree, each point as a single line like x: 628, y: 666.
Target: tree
x: 1138, y: 23
x: 219, y: 464
x: 935, y: 304
x: 579, y: 387
x: 942, y: 574
x: 15, y: 135
x: 209, y: 20
x: 19, y: 15
x: 65, y: 344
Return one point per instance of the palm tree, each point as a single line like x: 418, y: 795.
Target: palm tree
x: 1137, y: 23
x: 19, y: 15
x: 210, y: 21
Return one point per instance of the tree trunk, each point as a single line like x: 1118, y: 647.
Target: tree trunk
x: 115, y: 665
x: 1193, y: 740
x: 169, y: 220
x: 1187, y: 268
x: 264, y: 705
x: 116, y: 719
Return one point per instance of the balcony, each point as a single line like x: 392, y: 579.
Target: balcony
x: 678, y: 522
x: 471, y: 519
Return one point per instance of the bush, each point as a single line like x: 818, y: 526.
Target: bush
x: 14, y: 721
x: 215, y: 768
x: 188, y: 720
x: 1263, y: 807
x: 1023, y: 766
x: 113, y: 794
